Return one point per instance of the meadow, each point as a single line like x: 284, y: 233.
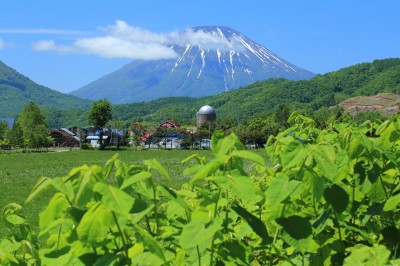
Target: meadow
x: 20, y: 171
x: 330, y: 197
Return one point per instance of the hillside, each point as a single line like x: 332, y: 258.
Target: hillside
x: 330, y: 89
x: 226, y: 61
x: 384, y: 103
x: 16, y: 91
x: 261, y: 97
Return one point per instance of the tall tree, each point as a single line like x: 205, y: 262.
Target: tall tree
x: 15, y: 135
x: 100, y: 113
x: 281, y: 115
x: 33, y: 124
x: 3, y: 129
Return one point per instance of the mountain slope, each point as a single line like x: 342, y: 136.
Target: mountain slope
x: 16, y: 91
x: 384, y: 103
x: 263, y: 96
x: 199, y: 70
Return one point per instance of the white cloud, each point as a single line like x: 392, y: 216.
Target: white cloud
x: 124, y: 41
x: 113, y: 47
x: 205, y: 40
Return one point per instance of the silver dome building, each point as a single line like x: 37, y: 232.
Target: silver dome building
x: 205, y: 114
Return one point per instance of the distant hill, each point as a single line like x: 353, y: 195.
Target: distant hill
x: 365, y: 79
x: 197, y: 71
x: 16, y: 91
x: 330, y: 89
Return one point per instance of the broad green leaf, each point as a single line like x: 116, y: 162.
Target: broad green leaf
x: 148, y: 258
x: 208, y: 169
x: 6, y: 256
x: 203, y: 214
x: 136, y: 217
x: 280, y: 188
x: 240, y: 186
x: 114, y: 198
x: 76, y: 173
x: 154, y: 164
x: 40, y: 186
x: 216, y: 141
x: 170, y: 194
x: 388, y: 137
x: 355, y: 148
x: 198, y: 233
x: 144, y: 188
x: 150, y: 243
x: 248, y: 155
x: 293, y: 154
x: 15, y: 219
x: 221, y: 145
x: 337, y: 197
x: 322, y: 221
x: 64, y: 256
x: 109, y: 166
x: 382, y: 127
x: 135, y: 250
x: 56, y: 209
x: 122, y: 171
x: 325, y: 159
x: 313, y: 183
x: 363, y: 255
x: 10, y: 245
x: 302, y: 245
x: 296, y: 226
x: 107, y: 259
x: 85, y: 189
x: 135, y: 178
x: 62, y: 223
x: 236, y: 253
x: 63, y: 187
x: 392, y: 203
x: 95, y: 224
x: 255, y: 223
x: 376, y: 192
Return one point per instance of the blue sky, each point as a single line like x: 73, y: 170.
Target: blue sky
x: 65, y: 45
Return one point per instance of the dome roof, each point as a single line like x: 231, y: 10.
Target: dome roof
x: 206, y: 110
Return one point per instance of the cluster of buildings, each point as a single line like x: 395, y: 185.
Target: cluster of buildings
x: 168, y: 134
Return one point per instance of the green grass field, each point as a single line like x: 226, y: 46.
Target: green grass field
x: 20, y: 171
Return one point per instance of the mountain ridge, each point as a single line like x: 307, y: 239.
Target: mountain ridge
x: 222, y: 60
x: 16, y: 90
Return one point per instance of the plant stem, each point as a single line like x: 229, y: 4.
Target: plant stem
x: 155, y: 207
x: 58, y: 240
x: 147, y: 220
x: 198, y: 254
x: 121, y: 233
x: 338, y: 226
x: 215, y: 214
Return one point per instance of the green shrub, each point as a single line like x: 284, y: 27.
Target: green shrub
x: 330, y: 197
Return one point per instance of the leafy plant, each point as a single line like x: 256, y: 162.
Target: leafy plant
x: 329, y: 197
